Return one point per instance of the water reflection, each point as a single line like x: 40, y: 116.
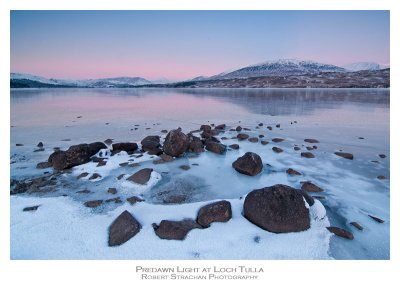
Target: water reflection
x: 271, y: 102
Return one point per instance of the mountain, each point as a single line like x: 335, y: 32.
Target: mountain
x: 27, y: 80
x: 358, y: 66
x: 281, y: 67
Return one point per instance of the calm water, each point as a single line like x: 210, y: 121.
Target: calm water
x: 355, y: 121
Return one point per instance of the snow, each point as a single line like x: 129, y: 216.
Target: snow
x: 64, y: 229
x: 357, y: 66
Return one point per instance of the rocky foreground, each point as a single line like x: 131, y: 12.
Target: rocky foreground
x: 277, y: 209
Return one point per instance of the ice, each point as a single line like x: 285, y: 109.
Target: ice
x: 335, y: 117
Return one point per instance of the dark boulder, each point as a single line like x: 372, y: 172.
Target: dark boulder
x: 278, y: 209
x: 195, y: 144
x: 345, y: 155
x: 291, y: 171
x: 112, y: 190
x: 152, y: 145
x: 307, y: 155
x: 249, y: 164
x: 219, y: 211
x: 206, y: 128
x: 277, y: 149
x: 357, y: 226
x: 134, y: 199
x: 311, y: 187
x: 242, y: 136
x: 277, y: 140
x: 123, y: 228
x: 93, y: 203
x: 253, y: 139
x: 96, y: 147
x: 31, y: 208
x: 220, y: 127
x: 234, y: 146
x: 311, y: 140
x: 239, y: 128
x: 142, y: 176
x: 264, y: 142
x: 175, y: 230
x: 176, y: 143
x: 43, y: 165
x: 40, y: 144
x: 128, y: 147
x: 215, y: 147
x: 341, y: 233
x: 381, y: 221
x: 59, y: 160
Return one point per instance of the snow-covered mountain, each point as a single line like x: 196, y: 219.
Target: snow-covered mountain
x: 92, y: 83
x: 281, y: 67
x: 358, y: 66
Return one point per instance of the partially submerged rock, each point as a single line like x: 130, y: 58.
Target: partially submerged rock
x: 291, y: 171
x: 93, y: 203
x: 345, y: 155
x: 307, y: 155
x: 242, y: 136
x: 249, y: 164
x: 134, y: 199
x: 376, y: 219
x: 341, y: 233
x: 31, y: 208
x: 123, y: 228
x: 219, y: 211
x: 195, y: 144
x: 311, y: 140
x: 176, y: 143
x: 277, y: 149
x: 43, y: 165
x: 278, y: 209
x: 152, y: 145
x: 234, y: 146
x: 357, y: 226
x: 311, y: 187
x: 128, y: 147
x: 215, y: 147
x: 277, y: 140
x: 142, y: 176
x: 175, y: 230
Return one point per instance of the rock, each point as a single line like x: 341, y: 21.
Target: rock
x: 142, y: 176
x: 278, y: 209
x: 166, y: 157
x: 269, y: 128
x: 108, y: 141
x: 253, y: 139
x: 296, y: 148
x: 376, y: 219
x: 242, y: 136
x: 277, y: 149
x: 206, y: 128
x: 95, y: 176
x: 123, y: 228
x: 123, y: 164
x: 134, y: 199
x: 119, y: 177
x: 309, y: 148
x: 58, y: 159
x: 195, y: 144
x: 341, y: 233
x: 382, y: 156
x: 260, y: 124
x: 176, y: 143
x: 164, y: 131
x: 175, y: 230
x: 96, y: 147
x: 345, y: 155
x: 40, y: 145
x: 152, y: 145
x: 82, y: 175
x: 114, y: 200
x: 43, y: 165
x: 234, y: 146
x: 84, y: 191
x: 309, y: 199
x: 311, y: 187
x: 112, y: 190
x: 239, y: 128
x: 209, y: 134
x: 277, y: 140
x: 219, y: 211
x: 19, y: 144
x: 357, y: 226
x: 380, y: 177
x: 93, y: 203
x: 264, y: 142
x: 174, y: 199
x: 215, y: 147
x: 249, y: 164
x: 39, y: 150
x: 128, y: 147
x: 184, y: 167
x: 291, y: 171
x: 31, y: 208
x: 101, y: 163
x: 278, y: 125
x: 311, y: 140
x: 307, y: 155
x: 220, y: 127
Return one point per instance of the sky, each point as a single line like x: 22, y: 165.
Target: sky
x: 179, y: 45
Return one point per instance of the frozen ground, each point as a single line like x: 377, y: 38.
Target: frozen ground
x: 351, y: 188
